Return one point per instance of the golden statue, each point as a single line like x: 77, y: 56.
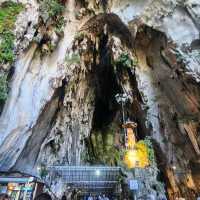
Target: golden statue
x: 137, y: 152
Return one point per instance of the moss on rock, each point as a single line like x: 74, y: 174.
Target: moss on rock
x: 51, y: 16
x: 126, y: 61
x: 3, y: 88
x: 102, y: 148
x: 8, y: 15
x: 51, y: 8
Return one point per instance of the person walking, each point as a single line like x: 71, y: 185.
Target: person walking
x: 90, y: 197
x: 64, y: 197
x: 100, y: 198
x: 105, y: 198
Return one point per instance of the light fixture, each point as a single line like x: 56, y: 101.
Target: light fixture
x: 174, y: 167
x: 11, y: 186
x: 97, y: 172
x: 131, y: 158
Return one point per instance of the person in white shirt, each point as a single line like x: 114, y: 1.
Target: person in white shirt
x: 90, y: 197
x: 105, y: 198
x: 100, y: 198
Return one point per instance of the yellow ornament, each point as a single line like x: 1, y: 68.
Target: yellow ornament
x: 137, y: 157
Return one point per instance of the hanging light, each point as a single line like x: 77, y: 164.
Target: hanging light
x: 97, y: 172
x: 174, y: 167
x: 38, y: 168
x: 136, y: 155
x: 11, y: 186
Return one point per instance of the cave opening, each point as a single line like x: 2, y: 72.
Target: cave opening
x: 107, y: 138
x: 107, y: 87
x: 107, y: 113
x: 109, y: 82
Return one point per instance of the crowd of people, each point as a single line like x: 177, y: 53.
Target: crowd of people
x: 45, y: 196
x: 39, y: 197
x: 99, y: 197
x: 48, y: 197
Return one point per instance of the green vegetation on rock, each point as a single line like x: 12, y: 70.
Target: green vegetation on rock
x: 8, y: 15
x: 43, y: 172
x: 151, y: 155
x: 51, y: 14
x: 125, y: 60
x: 53, y: 8
x: 59, y: 26
x: 102, y: 148
x: 72, y: 59
x: 79, y: 36
x: 3, y: 88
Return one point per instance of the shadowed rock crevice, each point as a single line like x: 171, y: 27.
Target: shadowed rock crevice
x: 40, y: 131
x: 106, y: 87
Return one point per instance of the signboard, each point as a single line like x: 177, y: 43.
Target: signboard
x: 133, y: 184
x: 27, y: 188
x: 3, y: 189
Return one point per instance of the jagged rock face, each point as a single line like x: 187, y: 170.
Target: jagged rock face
x: 66, y: 123
x: 54, y: 97
x: 174, y: 115
x: 41, y: 77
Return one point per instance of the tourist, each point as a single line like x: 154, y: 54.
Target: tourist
x: 90, y: 197
x: 43, y: 196
x: 64, y: 197
x: 4, y: 197
x: 100, y: 198
x: 105, y: 198
x: 161, y: 197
